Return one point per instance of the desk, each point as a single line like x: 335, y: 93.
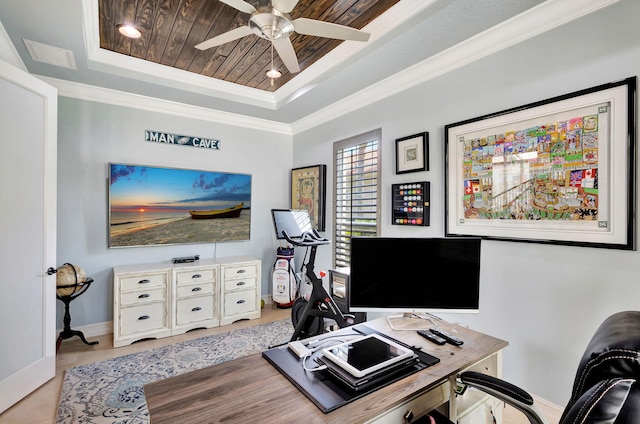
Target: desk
x: 250, y: 389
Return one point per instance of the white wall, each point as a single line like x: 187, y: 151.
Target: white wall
x: 90, y: 135
x: 545, y: 300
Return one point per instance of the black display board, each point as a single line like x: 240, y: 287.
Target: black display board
x: 410, y: 203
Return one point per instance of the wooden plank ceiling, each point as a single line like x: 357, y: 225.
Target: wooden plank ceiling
x: 171, y: 28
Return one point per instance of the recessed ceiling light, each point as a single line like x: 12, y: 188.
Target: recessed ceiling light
x: 129, y: 31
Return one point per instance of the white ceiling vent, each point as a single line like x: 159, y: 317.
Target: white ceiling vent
x: 49, y: 54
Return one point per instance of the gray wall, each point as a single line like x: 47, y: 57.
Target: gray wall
x: 90, y: 135
x: 545, y: 300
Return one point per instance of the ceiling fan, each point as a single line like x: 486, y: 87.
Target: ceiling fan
x: 274, y: 24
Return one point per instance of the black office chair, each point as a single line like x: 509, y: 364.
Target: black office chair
x: 605, y: 389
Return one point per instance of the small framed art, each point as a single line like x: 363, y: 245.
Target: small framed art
x: 308, y: 192
x: 412, y: 153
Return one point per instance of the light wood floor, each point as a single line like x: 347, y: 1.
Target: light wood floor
x: 41, y: 406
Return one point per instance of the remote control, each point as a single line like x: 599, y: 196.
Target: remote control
x: 432, y: 337
x: 448, y: 337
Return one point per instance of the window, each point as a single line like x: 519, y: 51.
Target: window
x: 356, y: 192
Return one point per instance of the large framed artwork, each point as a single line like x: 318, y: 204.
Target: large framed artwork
x: 162, y: 206
x: 559, y: 171
x: 308, y: 192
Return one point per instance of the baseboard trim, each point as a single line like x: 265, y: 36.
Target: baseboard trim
x: 550, y: 410
x: 101, y: 329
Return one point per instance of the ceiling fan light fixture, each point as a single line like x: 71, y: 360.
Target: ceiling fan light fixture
x: 129, y: 31
x: 271, y: 26
x: 273, y: 74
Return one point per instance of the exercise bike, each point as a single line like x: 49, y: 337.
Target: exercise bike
x: 308, y: 315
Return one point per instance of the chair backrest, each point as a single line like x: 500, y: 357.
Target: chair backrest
x: 606, y: 388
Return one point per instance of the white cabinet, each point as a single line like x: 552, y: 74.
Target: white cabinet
x: 163, y: 299
x: 195, y: 296
x: 240, y: 294
x: 141, y: 303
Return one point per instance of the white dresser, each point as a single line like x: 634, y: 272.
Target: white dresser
x: 240, y: 289
x: 162, y: 299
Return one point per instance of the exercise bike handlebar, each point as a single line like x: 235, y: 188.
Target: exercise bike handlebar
x: 309, y: 238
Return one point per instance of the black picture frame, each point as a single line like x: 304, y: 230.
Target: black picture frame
x: 411, y: 204
x: 412, y: 153
x: 558, y: 171
x: 308, y: 191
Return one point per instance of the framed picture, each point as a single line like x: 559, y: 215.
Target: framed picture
x: 559, y: 171
x: 412, y: 153
x: 308, y: 192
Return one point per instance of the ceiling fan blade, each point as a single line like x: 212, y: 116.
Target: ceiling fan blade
x: 328, y: 30
x: 240, y: 5
x: 284, y: 6
x: 234, y: 34
x: 285, y: 50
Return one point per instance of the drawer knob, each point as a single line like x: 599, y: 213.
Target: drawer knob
x: 195, y: 289
x: 144, y: 317
x: 196, y: 309
x: 142, y: 296
x: 145, y: 281
x: 241, y: 271
x: 240, y: 283
x: 241, y: 301
x: 196, y: 276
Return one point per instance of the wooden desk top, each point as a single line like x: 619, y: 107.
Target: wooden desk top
x: 250, y: 389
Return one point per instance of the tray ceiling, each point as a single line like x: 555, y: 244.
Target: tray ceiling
x: 170, y: 30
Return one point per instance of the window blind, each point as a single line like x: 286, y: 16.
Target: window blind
x: 356, y: 193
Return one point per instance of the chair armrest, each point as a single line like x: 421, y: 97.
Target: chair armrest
x: 506, y: 392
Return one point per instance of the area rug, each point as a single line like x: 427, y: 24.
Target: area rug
x: 111, y: 391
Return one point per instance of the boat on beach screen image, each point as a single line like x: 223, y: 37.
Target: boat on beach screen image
x: 162, y: 206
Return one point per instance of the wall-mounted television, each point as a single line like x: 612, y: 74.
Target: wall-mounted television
x: 150, y: 206
x: 414, y: 276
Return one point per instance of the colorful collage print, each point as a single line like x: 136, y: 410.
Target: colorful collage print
x: 546, y: 172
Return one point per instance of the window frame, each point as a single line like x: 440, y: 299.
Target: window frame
x: 341, y: 248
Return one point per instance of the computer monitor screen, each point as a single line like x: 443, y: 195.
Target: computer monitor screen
x: 295, y: 222
x: 414, y: 275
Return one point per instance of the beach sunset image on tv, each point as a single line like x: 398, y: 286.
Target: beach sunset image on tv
x: 162, y: 206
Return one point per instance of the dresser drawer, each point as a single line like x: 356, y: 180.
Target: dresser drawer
x: 239, y: 302
x: 240, y: 284
x: 143, y: 281
x: 240, y: 271
x: 194, y: 309
x: 137, y: 319
x: 141, y: 297
x: 195, y: 290
x: 194, y: 276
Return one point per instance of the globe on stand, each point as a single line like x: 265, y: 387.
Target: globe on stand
x: 71, y: 282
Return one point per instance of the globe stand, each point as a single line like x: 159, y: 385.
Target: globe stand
x: 67, y: 332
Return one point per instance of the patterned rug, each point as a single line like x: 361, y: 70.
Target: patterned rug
x: 111, y: 391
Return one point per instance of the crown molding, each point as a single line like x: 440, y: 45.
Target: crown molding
x: 537, y: 20
x: 136, y: 101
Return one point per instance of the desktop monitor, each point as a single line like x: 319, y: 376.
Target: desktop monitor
x: 414, y: 275
x: 296, y: 222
